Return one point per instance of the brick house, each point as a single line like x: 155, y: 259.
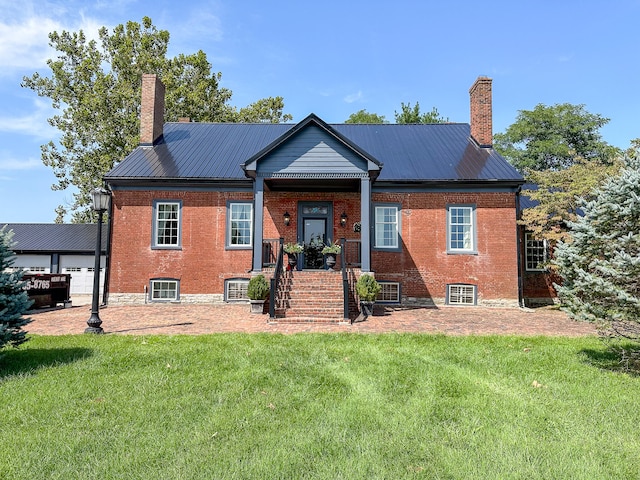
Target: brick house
x: 430, y: 210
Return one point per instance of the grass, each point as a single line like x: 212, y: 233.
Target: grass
x: 316, y: 406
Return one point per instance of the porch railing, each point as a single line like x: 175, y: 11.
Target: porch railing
x: 352, y: 256
x: 275, y: 280
x: 270, y: 252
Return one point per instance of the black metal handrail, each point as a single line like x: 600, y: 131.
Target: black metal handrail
x: 275, y: 280
x: 345, y: 280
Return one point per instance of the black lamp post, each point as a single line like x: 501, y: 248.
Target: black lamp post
x: 101, y: 198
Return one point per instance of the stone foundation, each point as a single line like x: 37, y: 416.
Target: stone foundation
x: 141, y: 299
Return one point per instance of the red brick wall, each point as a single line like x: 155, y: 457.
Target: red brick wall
x: 537, y: 286
x: 201, y: 264
x: 423, y: 267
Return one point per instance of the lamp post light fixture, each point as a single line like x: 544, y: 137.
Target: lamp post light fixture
x: 101, y: 198
x: 287, y: 219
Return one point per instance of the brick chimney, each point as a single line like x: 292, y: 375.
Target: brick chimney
x: 151, y: 109
x: 481, y: 112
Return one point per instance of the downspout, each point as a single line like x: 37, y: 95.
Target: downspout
x: 107, y: 259
x: 519, y: 249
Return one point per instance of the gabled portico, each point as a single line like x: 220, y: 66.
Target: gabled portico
x: 312, y: 157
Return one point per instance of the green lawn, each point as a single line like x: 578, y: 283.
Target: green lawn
x: 316, y: 406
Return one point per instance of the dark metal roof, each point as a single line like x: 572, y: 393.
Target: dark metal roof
x: 409, y: 153
x: 69, y: 238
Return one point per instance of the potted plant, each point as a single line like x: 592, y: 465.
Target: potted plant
x: 258, y: 291
x: 292, y: 250
x: 330, y: 250
x: 367, y: 289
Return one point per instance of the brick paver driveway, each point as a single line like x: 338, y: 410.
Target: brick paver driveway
x: 198, y: 319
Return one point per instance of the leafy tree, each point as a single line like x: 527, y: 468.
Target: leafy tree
x: 600, y: 267
x: 558, y: 194
x: 554, y: 138
x: 14, y: 301
x: 362, y: 116
x: 413, y: 115
x: 96, y: 88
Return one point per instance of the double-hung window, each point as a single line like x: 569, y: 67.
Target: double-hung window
x: 535, y: 253
x: 387, y: 227
x: 461, y: 229
x: 166, y: 224
x: 239, y: 224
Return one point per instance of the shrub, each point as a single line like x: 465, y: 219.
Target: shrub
x: 13, y: 299
x: 367, y: 288
x: 258, y: 288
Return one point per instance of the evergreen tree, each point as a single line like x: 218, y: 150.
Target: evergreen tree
x: 600, y: 266
x: 13, y: 299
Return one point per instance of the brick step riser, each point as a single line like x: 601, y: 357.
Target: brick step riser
x: 310, y: 297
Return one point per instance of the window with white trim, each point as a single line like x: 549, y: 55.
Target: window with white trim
x: 37, y: 269
x: 535, y: 253
x: 166, y: 224
x: 71, y: 269
x: 165, y: 290
x: 235, y: 289
x: 239, y: 224
x: 461, y: 294
x: 389, y: 292
x: 461, y: 229
x: 387, y: 226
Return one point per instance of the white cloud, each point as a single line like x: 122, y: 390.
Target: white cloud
x: 34, y: 123
x: 25, y: 44
x: 11, y: 163
x: 24, y: 36
x: 353, y: 97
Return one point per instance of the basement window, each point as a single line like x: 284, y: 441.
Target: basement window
x: 235, y: 290
x: 389, y: 292
x: 461, y: 294
x: 165, y: 290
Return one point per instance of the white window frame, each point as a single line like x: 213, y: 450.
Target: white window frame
x: 471, y: 234
x: 457, y: 293
x: 160, y: 283
x: 389, y: 292
x: 230, y: 219
x: 235, y: 290
x: 533, y: 246
x: 381, y: 227
x: 157, y: 222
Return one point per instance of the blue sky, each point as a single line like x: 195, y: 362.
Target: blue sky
x: 334, y: 58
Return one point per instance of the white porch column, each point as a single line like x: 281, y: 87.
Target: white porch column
x: 365, y: 220
x: 258, y: 220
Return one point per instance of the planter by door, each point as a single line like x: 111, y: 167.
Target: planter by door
x: 331, y: 260
x: 366, y: 308
x: 257, y: 306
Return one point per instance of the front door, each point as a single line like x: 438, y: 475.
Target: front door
x: 315, y: 227
x: 314, y: 239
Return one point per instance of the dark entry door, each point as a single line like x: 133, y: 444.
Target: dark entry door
x: 314, y: 231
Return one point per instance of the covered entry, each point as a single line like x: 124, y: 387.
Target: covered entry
x: 312, y: 157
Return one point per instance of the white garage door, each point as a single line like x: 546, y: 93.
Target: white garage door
x: 80, y: 267
x: 33, y: 263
